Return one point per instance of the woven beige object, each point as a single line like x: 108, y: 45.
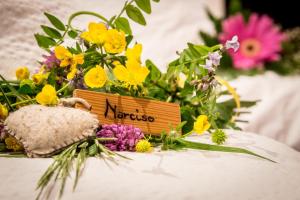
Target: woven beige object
x: 45, y: 130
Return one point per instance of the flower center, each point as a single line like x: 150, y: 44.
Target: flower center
x: 250, y: 47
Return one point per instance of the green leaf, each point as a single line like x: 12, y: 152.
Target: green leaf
x: 51, y: 32
x: 208, y: 39
x: 156, y: 1
x: 2, y: 147
x: 92, y: 150
x: 135, y: 14
x: 187, y: 115
x: 179, y: 126
x: 211, y: 147
x: 128, y: 39
x: 145, y: 5
x: 215, y: 20
x: 123, y: 24
x: 234, y: 6
x: 55, y: 22
x: 78, y: 48
x: 26, y: 87
x: 155, y: 73
x: 44, y: 41
x: 72, y: 34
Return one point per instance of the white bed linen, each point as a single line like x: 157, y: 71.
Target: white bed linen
x: 173, y: 175
x: 277, y: 115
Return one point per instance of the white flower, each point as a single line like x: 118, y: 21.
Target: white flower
x: 215, y: 57
x: 233, y: 43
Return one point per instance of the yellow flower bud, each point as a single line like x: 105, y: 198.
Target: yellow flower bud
x: 143, y: 146
x: 201, y: 124
x: 3, y: 111
x: 22, y: 73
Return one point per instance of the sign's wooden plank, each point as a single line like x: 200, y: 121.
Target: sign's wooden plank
x: 149, y: 115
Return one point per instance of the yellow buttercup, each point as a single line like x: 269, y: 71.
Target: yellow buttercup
x: 95, y: 34
x: 68, y: 59
x: 134, y: 53
x: 95, y: 77
x: 132, y: 75
x: 47, y: 96
x: 201, y: 124
x: 115, y: 41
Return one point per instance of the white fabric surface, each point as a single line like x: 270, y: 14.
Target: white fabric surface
x: 173, y: 175
x: 277, y: 115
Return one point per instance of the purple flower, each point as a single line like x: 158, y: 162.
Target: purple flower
x: 51, y: 60
x: 208, y: 64
x: 127, y: 136
x: 215, y: 57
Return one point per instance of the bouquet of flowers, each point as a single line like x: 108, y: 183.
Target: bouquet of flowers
x: 263, y: 46
x: 103, y: 59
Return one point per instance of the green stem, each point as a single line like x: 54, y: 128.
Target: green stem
x: 10, y: 81
x: 62, y: 37
x: 187, y: 134
x: 22, y: 102
x: 84, y: 13
x: 63, y: 88
x: 123, y: 9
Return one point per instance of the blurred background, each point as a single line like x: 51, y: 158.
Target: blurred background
x: 171, y: 25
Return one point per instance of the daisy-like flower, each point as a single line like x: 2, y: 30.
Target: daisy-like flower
x: 260, y: 40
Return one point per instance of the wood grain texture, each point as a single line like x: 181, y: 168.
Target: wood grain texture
x: 151, y: 116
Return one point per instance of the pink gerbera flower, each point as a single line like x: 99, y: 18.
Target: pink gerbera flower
x: 260, y: 40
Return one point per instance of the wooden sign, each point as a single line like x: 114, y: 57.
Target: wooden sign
x: 149, y: 115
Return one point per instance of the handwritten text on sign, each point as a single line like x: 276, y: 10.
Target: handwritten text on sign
x: 149, y: 115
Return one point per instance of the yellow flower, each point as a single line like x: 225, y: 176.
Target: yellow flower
x: 64, y: 55
x: 132, y: 75
x: 201, y: 124
x: 95, y: 34
x: 3, y: 111
x: 143, y: 146
x: 181, y: 80
x: 68, y: 59
x: 12, y: 143
x: 22, y: 73
x: 115, y: 41
x: 47, y: 96
x: 134, y: 53
x: 95, y: 77
x: 39, y: 78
